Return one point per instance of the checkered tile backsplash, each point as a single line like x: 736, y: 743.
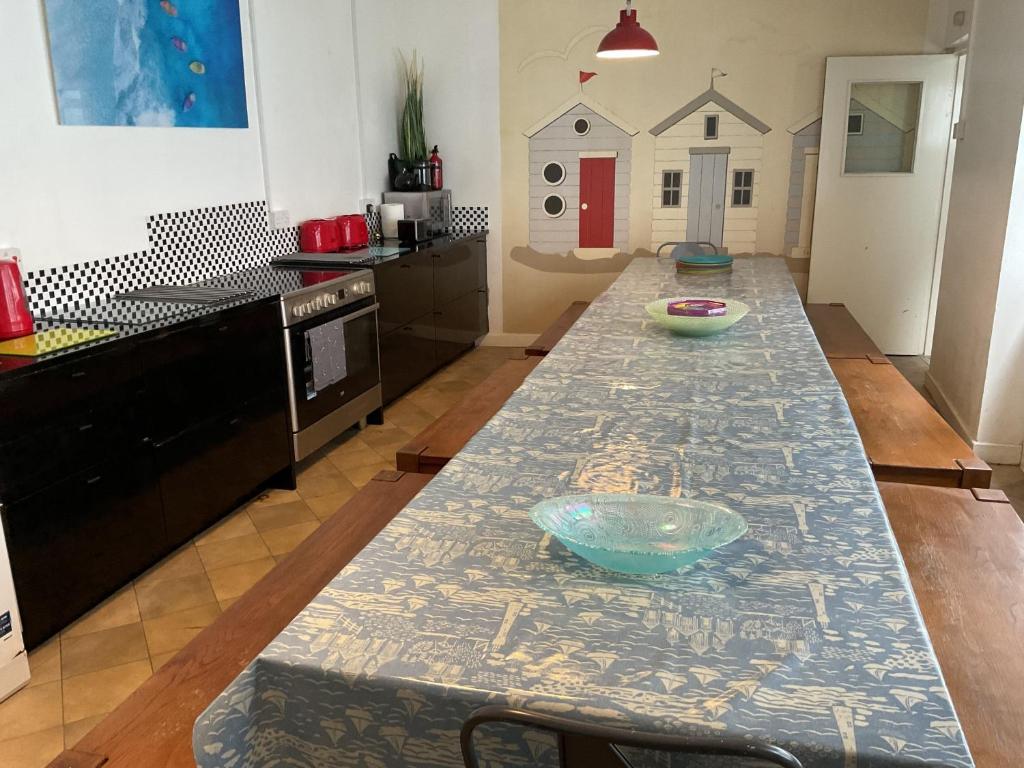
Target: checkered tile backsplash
x: 185, y: 247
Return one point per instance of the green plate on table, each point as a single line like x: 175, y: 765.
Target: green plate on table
x: 697, y: 326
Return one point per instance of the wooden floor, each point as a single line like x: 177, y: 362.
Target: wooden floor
x: 153, y: 727
x: 965, y: 557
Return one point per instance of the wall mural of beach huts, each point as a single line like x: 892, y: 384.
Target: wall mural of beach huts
x: 148, y: 63
x: 580, y: 164
x: 707, y: 174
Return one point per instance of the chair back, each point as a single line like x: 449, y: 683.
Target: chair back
x: 586, y: 745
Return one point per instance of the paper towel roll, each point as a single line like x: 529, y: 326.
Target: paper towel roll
x: 390, y: 213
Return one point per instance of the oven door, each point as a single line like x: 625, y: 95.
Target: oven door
x: 332, y: 359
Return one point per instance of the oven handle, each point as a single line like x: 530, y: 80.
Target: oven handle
x: 360, y: 313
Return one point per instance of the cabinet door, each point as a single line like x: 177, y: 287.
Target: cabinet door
x: 405, y: 290
x: 407, y: 356
x: 208, y: 469
x: 458, y: 325
x: 76, y: 542
x: 457, y: 271
x: 206, y: 369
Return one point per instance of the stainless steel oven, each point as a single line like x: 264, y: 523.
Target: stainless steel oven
x: 331, y: 349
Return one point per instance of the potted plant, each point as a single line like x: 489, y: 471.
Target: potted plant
x: 413, y: 143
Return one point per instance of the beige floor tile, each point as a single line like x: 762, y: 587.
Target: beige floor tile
x: 159, y: 659
x: 31, y: 710
x: 233, y: 526
x: 354, y: 452
x: 360, y: 476
x: 281, y: 515
x: 241, y: 549
x: 102, y: 650
x: 184, y: 562
x: 44, y: 662
x: 116, y: 611
x: 453, y: 386
x: 315, y: 486
x: 281, y: 541
x: 275, y: 496
x: 434, y: 402
x: 96, y: 693
x: 236, y: 579
x: 325, y: 506
x: 172, y: 595
x: 34, y: 750
x: 173, y: 631
x: 409, y: 417
x: 73, y: 732
x: 228, y: 602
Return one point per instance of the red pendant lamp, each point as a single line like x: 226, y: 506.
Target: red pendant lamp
x: 628, y: 40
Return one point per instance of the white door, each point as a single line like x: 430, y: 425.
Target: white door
x: 885, y: 133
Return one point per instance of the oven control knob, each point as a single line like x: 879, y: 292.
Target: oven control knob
x: 297, y: 312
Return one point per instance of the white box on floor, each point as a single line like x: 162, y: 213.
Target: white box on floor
x: 14, y: 672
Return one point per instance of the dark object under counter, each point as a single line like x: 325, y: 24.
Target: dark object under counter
x: 433, y: 308
x: 113, y: 456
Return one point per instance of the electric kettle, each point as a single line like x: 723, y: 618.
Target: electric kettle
x: 15, y: 319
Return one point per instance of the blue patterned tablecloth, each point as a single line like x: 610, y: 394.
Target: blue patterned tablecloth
x: 804, y: 633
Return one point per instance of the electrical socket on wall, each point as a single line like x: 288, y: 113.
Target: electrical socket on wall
x: 279, y: 219
x: 10, y: 253
x: 367, y: 202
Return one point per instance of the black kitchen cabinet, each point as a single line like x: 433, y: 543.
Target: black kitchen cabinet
x: 446, y: 287
x: 405, y: 290
x: 407, y: 356
x: 112, y: 459
x: 74, y: 542
x: 207, y: 469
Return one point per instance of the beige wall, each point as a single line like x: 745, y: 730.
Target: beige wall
x: 774, y: 53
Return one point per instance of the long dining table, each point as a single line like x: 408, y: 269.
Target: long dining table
x: 803, y: 634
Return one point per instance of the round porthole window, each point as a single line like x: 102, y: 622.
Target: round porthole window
x: 554, y: 173
x: 581, y: 126
x: 554, y: 206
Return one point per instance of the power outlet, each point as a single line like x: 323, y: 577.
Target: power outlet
x: 10, y: 253
x: 279, y: 219
x: 367, y: 202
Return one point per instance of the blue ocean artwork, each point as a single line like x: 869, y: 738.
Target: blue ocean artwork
x: 171, y: 63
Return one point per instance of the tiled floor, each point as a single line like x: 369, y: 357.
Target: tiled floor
x: 94, y: 664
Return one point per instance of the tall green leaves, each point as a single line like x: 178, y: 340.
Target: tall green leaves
x: 413, y: 141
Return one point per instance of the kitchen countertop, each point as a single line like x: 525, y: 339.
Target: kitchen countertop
x: 265, y: 283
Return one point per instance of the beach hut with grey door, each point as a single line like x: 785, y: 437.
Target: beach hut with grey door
x: 707, y: 174
x: 580, y: 158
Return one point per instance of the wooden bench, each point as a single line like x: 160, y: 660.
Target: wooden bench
x: 153, y: 727
x: 547, y: 340
x: 906, y: 440
x: 964, y: 552
x: 435, y: 446
x: 840, y: 336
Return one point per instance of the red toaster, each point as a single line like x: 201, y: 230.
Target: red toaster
x: 353, y: 231
x: 319, y: 236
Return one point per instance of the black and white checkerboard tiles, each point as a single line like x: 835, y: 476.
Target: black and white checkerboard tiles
x: 185, y: 247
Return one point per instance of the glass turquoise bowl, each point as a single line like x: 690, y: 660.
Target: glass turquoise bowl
x: 638, y: 534
x: 697, y: 326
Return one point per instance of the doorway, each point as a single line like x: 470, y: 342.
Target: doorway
x: 885, y: 138
x: 597, y: 202
x: 705, y: 214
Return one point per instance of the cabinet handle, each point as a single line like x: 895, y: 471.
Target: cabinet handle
x: 405, y: 266
x: 85, y: 427
x: 235, y: 421
x: 407, y: 328
x: 78, y: 374
x: 223, y: 328
x: 94, y: 480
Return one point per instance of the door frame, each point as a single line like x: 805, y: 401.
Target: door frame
x: 585, y: 155
x: 695, y: 201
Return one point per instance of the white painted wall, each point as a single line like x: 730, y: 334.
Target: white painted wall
x: 976, y: 372
x: 71, y: 194
x: 458, y: 42
x: 306, y: 80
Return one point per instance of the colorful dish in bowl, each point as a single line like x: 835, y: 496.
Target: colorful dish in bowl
x: 691, y: 325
